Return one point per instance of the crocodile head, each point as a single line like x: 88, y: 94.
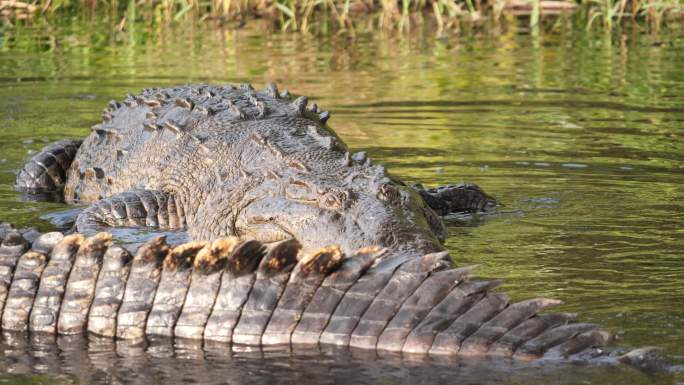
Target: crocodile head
x: 343, y: 200
x: 390, y: 215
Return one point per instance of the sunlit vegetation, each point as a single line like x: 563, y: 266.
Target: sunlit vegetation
x: 346, y: 16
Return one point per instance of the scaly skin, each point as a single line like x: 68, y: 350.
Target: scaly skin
x: 266, y: 188
x: 225, y: 161
x: 192, y: 290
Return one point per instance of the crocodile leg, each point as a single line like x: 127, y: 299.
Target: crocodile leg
x: 457, y: 198
x: 47, y: 170
x: 136, y: 208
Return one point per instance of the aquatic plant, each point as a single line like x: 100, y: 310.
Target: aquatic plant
x: 344, y: 15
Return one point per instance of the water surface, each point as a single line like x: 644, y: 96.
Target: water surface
x: 581, y: 137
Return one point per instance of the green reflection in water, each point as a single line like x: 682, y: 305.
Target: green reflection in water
x: 582, y: 140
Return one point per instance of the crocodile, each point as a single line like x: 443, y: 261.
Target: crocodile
x: 296, y: 241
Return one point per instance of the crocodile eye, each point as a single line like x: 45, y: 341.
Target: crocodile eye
x: 335, y: 200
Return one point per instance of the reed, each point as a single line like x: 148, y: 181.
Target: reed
x: 343, y: 15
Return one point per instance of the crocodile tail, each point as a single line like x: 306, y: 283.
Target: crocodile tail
x: 254, y: 294
x: 46, y: 171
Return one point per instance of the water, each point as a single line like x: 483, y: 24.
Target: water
x: 581, y: 138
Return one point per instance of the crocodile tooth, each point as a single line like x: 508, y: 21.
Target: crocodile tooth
x: 323, y: 261
x: 300, y: 104
x: 107, y: 117
x: 184, y: 103
x: 285, y: 94
x: 313, y: 108
x: 272, y: 90
x: 324, y: 116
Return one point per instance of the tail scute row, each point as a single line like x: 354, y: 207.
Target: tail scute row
x: 250, y: 293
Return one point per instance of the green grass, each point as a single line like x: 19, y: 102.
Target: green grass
x: 343, y: 16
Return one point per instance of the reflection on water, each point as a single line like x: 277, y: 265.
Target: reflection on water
x: 582, y: 140
x: 88, y: 361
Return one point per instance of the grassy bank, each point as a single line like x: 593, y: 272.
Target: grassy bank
x: 345, y: 15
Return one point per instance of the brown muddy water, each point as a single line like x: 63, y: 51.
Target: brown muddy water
x: 581, y: 138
